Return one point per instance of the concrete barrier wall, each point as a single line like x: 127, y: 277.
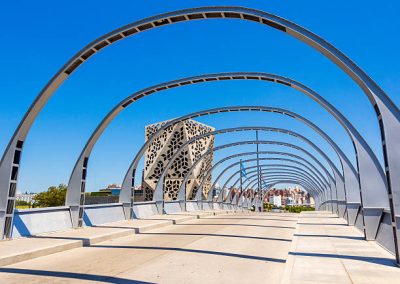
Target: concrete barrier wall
x: 103, y: 213
x: 41, y: 220
x: 145, y: 209
x: 191, y: 206
x: 172, y: 207
x: 385, y: 233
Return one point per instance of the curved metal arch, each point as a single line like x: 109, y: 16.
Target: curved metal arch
x: 228, y: 130
x: 252, y: 167
x: 253, y: 182
x: 159, y: 184
x: 158, y: 196
x: 282, y: 172
x: 272, y: 168
x: 316, y: 198
x: 264, y: 168
x: 309, y: 188
x: 387, y: 112
x: 352, y: 180
x: 129, y: 177
x: 272, y: 182
x: 303, y: 162
x: 307, y: 165
x: 236, y: 197
x: 210, y: 193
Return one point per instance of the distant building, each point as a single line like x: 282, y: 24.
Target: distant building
x: 276, y: 200
x: 161, y: 150
x: 111, y: 189
x: 27, y: 197
x: 290, y: 196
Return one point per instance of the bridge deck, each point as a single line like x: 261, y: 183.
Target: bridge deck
x: 230, y: 248
x: 326, y: 250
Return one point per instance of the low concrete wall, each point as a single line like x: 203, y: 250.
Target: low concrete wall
x: 41, y: 220
x: 91, y: 200
x: 103, y: 213
x: 144, y: 209
x: 191, y: 206
x: 171, y: 207
x: 385, y: 232
x: 206, y: 206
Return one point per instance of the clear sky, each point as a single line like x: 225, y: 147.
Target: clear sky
x: 38, y: 37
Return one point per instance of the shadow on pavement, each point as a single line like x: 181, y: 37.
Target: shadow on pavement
x: 71, y: 275
x: 331, y: 236
x: 219, y: 235
x: 375, y: 260
x: 244, y: 256
x: 245, y: 225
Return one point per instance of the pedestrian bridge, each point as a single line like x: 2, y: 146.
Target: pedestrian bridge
x: 196, y: 234
x: 213, y: 246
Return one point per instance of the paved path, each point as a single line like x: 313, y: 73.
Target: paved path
x: 325, y: 250
x: 311, y: 247
x: 245, y: 248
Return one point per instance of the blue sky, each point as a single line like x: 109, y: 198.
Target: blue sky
x: 37, y: 38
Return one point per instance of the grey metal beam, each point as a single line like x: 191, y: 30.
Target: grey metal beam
x: 223, y: 131
x: 282, y: 173
x: 129, y: 177
x: 273, y: 180
x: 159, y: 195
x: 387, y: 112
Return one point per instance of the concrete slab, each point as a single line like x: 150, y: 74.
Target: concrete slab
x: 21, y: 249
x: 218, y: 249
x: 326, y: 250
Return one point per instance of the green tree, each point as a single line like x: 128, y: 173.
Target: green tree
x: 54, y: 196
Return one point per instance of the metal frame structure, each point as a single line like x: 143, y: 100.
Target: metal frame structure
x: 267, y: 178
x: 354, y: 195
x: 279, y: 130
x: 76, y: 186
x: 387, y: 112
x: 276, y: 180
x: 181, y: 194
x: 281, y: 168
x: 317, y: 178
x: 312, y: 177
x: 299, y: 160
x: 280, y: 179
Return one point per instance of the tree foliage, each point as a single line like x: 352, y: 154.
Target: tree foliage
x: 298, y: 209
x: 54, y: 196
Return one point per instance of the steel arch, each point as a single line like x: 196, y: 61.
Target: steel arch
x: 270, y: 169
x: 352, y: 180
x: 332, y: 181
x: 273, y: 178
x: 264, y: 169
x: 306, y: 164
x: 283, y: 173
x: 308, y: 187
x: 387, y: 112
x: 236, y: 129
x: 129, y: 177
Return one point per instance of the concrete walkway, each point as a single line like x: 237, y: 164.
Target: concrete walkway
x: 325, y: 250
x: 44, y: 244
x: 311, y: 247
x: 230, y: 248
